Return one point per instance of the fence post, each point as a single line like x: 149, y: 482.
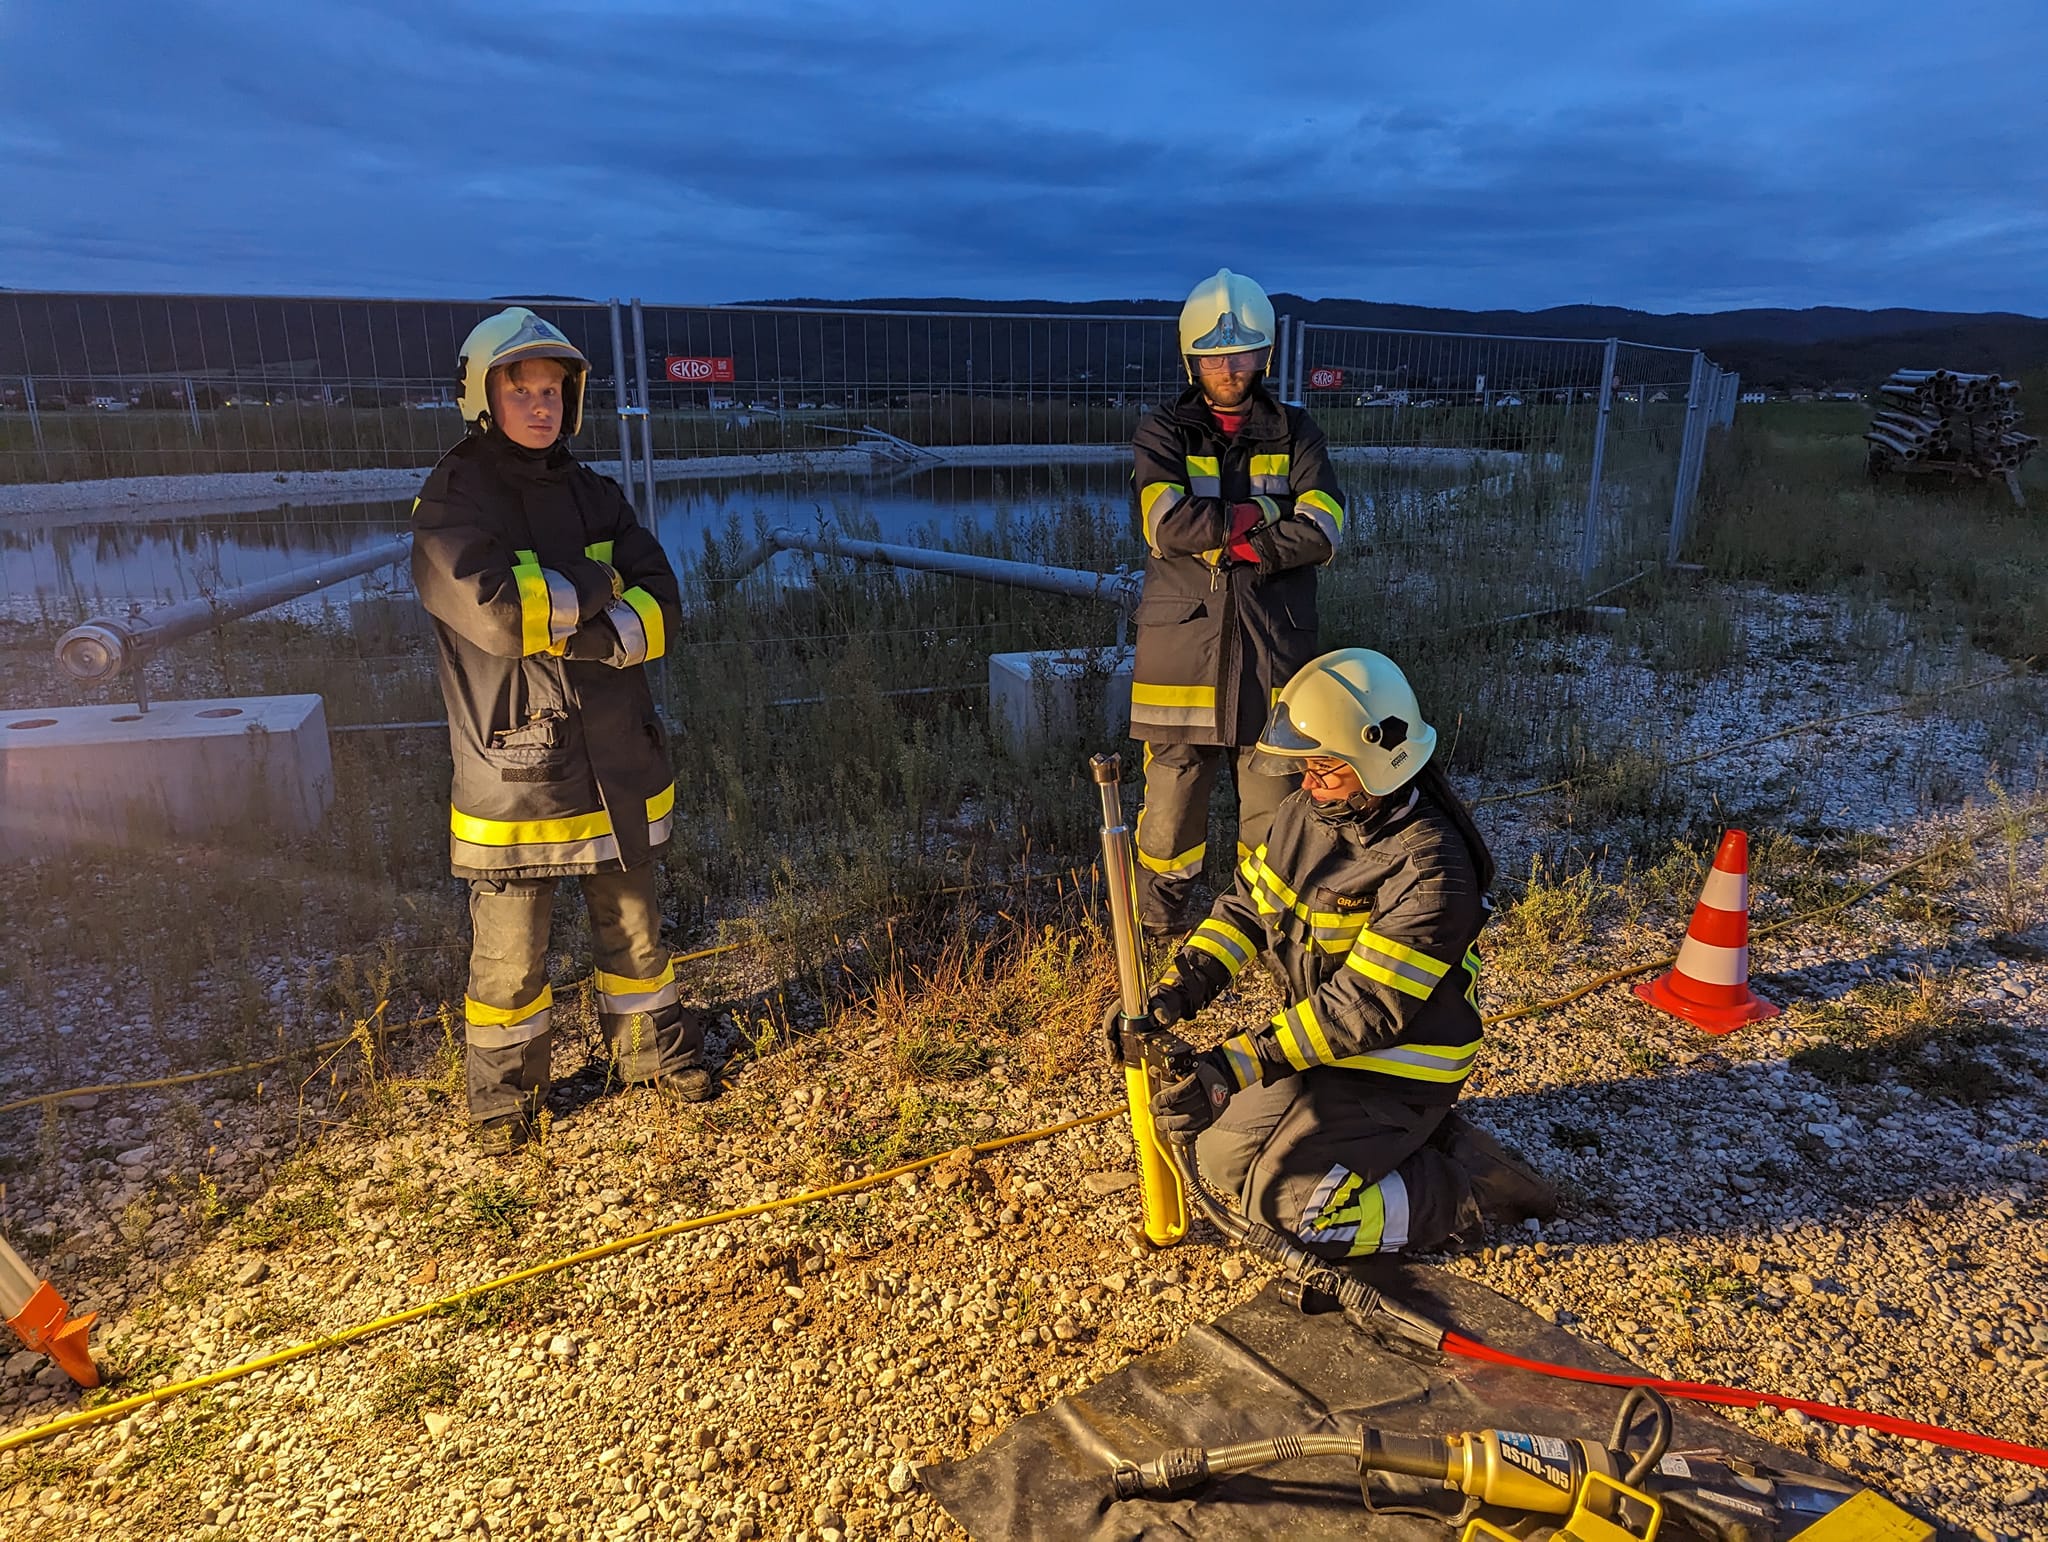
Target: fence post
x: 622, y: 406
x: 1589, y: 535
x: 192, y: 412
x: 646, y: 409
x: 35, y: 421
x: 1688, y: 448
x: 1300, y: 353
x: 1282, y: 354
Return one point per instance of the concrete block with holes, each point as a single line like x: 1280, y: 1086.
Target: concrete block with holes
x: 1059, y: 693
x: 247, y: 767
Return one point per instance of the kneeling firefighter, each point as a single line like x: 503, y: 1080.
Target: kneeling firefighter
x: 548, y: 599
x: 1334, y: 1123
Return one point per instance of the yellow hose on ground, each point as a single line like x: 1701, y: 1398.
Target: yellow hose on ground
x: 127, y: 1405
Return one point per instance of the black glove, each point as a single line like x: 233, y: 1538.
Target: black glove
x: 1171, y: 1002
x: 1113, y: 1030
x: 1183, y: 1109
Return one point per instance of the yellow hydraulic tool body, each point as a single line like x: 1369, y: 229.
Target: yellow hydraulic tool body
x: 1165, y: 1199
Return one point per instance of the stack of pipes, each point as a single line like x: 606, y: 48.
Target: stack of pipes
x: 1941, y: 420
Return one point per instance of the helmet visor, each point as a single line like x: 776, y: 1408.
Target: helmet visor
x: 1284, y: 745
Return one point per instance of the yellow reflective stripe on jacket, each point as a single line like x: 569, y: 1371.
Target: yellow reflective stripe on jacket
x: 1300, y: 1033
x: 1172, y: 704
x: 1471, y: 963
x: 506, y: 1017
x: 599, y: 551
x: 1269, y: 474
x: 648, y: 609
x: 535, y: 608
x: 530, y: 832
x: 661, y: 803
x: 1155, y: 499
x: 1326, y: 512
x: 1395, y: 964
x: 1205, y: 476
x: 1225, y: 943
x: 1243, y: 1059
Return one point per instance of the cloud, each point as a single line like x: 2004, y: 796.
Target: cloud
x: 1480, y: 154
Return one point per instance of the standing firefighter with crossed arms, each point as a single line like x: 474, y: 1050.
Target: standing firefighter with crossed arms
x: 1239, y: 505
x: 1333, y: 1123
x: 548, y: 599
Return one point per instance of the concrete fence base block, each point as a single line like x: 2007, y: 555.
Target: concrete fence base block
x: 1059, y: 693
x: 114, y: 776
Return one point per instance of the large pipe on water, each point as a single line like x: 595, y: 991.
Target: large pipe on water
x: 96, y: 651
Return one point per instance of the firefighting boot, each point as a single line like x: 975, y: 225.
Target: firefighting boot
x: 663, y: 1048
x: 1505, y: 1191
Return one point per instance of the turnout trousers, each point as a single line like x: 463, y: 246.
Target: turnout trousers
x: 508, y: 1016
x: 1341, y: 1162
x: 1173, y: 824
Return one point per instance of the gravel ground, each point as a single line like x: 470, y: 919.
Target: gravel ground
x: 1849, y: 1202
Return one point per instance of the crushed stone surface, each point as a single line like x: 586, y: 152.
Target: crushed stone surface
x: 1848, y: 1202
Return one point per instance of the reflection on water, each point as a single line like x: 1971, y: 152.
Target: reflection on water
x: 70, y: 569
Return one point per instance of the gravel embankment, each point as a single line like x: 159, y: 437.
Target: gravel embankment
x: 1847, y: 1203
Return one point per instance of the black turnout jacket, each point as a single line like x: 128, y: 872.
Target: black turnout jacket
x: 561, y: 766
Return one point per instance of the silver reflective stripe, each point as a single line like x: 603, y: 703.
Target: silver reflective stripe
x: 638, y: 1001
x: 598, y: 849
x: 1448, y: 1067
x: 658, y: 829
x: 1394, y: 1230
x: 1365, y: 953
x: 632, y: 635
x: 505, y: 1035
x: 1323, y: 522
x: 1272, y: 487
x: 1175, y: 717
x: 1205, y: 487
x: 564, y: 614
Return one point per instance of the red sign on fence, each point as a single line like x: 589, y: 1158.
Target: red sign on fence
x: 694, y: 371
x: 1323, y: 378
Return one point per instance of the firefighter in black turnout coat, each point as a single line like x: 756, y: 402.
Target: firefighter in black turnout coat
x: 1333, y: 1122
x: 548, y: 598
x: 1238, y: 505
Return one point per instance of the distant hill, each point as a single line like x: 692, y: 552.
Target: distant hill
x: 395, y: 349
x: 1828, y: 346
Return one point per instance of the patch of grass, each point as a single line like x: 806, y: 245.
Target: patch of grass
x: 1705, y: 1283
x: 512, y: 1306
x: 1913, y: 1033
x: 498, y: 1206
x: 1551, y: 921
x: 427, y: 1381
x: 289, y: 1215
x: 970, y: 993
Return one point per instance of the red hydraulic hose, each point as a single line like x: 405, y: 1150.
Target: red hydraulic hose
x: 1735, y: 1397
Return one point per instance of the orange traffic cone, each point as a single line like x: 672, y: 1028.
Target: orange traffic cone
x: 35, y: 1311
x: 1709, y: 985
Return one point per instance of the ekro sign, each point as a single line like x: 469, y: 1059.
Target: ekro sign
x: 700, y: 371
x: 1323, y: 378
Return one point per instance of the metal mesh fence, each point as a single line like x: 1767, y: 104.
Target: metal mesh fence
x: 1488, y: 475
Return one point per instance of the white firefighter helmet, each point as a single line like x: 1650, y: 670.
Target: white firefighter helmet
x: 1356, y: 706
x: 1227, y: 313
x: 506, y: 338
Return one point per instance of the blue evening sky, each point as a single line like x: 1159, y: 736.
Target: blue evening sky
x: 1685, y: 155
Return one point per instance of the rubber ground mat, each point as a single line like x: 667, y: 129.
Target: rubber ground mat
x: 1266, y: 1369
